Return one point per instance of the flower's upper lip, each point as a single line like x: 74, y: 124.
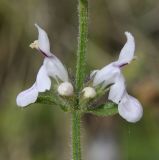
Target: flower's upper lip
x: 43, y: 41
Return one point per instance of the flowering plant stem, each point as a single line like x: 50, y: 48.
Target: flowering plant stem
x: 82, y: 43
x: 80, y: 75
x: 76, y: 144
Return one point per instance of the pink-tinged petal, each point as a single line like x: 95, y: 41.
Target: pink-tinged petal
x: 127, y: 52
x: 43, y: 41
x: 55, y: 68
x: 43, y: 81
x: 106, y: 75
x: 27, y: 97
x: 130, y: 108
x: 117, y: 90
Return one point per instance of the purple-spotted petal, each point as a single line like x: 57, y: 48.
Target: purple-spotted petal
x: 43, y: 81
x: 127, y: 52
x: 27, y: 97
x: 117, y: 90
x: 43, y: 41
x: 130, y: 108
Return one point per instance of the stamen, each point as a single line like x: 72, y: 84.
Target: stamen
x: 34, y: 45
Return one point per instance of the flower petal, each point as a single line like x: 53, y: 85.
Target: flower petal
x: 27, y: 97
x: 127, y: 52
x: 55, y: 68
x: 43, y: 81
x: 130, y: 108
x: 106, y: 75
x: 43, y: 41
x: 117, y: 90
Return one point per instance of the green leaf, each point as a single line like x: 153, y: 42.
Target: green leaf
x: 42, y: 99
x: 51, y: 98
x: 48, y: 97
x: 107, y: 109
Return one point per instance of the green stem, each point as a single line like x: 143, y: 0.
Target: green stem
x: 82, y: 43
x: 76, y: 143
x: 80, y: 75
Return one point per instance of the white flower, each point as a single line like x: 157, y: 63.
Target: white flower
x: 89, y: 92
x: 65, y: 89
x: 52, y: 67
x: 130, y: 108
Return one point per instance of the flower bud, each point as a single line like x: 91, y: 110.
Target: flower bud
x: 65, y: 89
x: 89, y: 92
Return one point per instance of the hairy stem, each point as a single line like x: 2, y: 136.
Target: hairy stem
x: 82, y: 43
x: 80, y: 75
x: 76, y: 143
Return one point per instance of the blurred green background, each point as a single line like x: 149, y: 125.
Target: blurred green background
x: 42, y: 132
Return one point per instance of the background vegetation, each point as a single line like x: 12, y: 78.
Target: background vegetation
x: 42, y: 132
